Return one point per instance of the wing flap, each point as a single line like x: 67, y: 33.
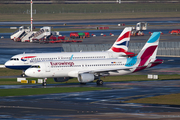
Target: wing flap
x: 105, y: 70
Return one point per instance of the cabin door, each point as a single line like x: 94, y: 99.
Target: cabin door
x: 47, y: 66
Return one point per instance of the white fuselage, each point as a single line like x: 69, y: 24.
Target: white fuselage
x: 72, y: 68
x: 24, y: 61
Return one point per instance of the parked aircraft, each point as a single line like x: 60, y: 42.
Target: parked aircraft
x: 89, y: 70
x: 118, y: 49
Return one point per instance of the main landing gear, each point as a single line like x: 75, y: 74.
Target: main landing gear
x: 44, y: 82
x: 99, y: 82
x: 23, y: 74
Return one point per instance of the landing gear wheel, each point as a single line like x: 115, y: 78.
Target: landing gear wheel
x: 99, y: 82
x: 44, y: 84
x: 23, y: 75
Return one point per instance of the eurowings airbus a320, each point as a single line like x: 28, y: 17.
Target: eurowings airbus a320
x: 89, y: 70
x: 119, y: 48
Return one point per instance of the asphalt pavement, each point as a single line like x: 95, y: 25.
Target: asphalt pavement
x: 105, y: 104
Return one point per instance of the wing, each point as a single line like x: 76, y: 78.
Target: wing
x: 94, y: 71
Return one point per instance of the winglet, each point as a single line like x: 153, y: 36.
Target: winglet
x: 71, y: 57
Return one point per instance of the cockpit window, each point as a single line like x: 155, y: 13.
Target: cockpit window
x: 35, y: 66
x: 15, y: 59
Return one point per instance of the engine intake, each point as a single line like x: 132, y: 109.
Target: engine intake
x: 86, y: 77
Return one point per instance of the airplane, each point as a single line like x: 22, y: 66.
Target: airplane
x: 118, y: 49
x: 89, y: 70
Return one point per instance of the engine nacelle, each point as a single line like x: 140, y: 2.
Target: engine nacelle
x: 61, y: 79
x: 86, y: 77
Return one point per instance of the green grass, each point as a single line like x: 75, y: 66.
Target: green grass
x: 86, y: 16
x: 40, y: 91
x: 45, y: 12
x: 172, y: 99
x: 9, y: 72
x: 13, y: 81
x: 86, y: 8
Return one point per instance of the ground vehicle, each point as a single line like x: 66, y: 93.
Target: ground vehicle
x: 177, y: 31
x: 79, y: 34
x: 74, y: 35
x: 61, y: 38
x: 87, y: 34
x: 52, y: 37
x: 138, y: 30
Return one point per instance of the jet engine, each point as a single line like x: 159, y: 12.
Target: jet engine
x: 86, y: 77
x: 61, y: 79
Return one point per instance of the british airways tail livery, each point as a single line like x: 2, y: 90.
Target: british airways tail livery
x: 119, y: 49
x: 89, y: 70
x: 122, y: 43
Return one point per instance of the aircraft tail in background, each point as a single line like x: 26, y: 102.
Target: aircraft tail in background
x: 122, y: 42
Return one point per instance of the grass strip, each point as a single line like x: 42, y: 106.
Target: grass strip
x: 171, y: 99
x: 87, y: 16
x: 123, y: 78
x: 40, y: 91
x: 18, y: 12
x: 9, y: 72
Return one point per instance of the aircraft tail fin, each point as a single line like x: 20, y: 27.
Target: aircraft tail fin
x: 122, y: 42
x: 149, y: 51
x: 150, y: 48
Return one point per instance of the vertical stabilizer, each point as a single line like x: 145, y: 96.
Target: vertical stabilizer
x: 122, y: 42
x: 150, y: 48
x: 149, y: 51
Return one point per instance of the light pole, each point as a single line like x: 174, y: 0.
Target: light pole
x: 31, y: 16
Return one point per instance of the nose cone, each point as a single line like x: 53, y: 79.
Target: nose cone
x: 33, y: 72
x: 29, y: 72
x: 8, y: 64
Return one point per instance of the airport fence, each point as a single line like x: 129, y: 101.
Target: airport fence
x: 164, y: 49
x: 66, y: 10
x: 35, y: 11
